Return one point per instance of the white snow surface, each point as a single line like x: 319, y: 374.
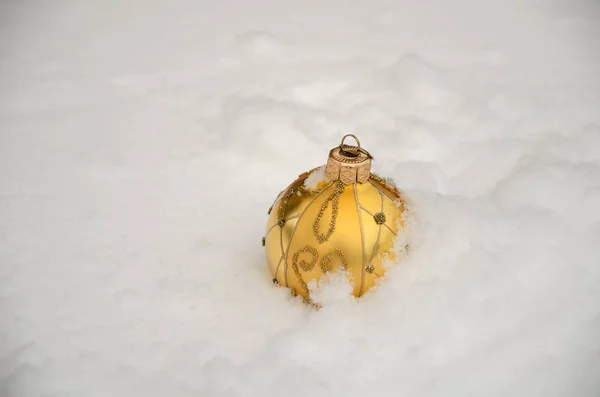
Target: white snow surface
x: 142, y: 142
x: 315, y: 178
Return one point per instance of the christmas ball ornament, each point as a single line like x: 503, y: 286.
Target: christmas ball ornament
x: 337, y: 217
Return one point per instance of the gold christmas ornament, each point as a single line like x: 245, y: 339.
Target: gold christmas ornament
x: 338, y: 216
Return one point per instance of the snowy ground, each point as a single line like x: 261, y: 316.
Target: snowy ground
x: 142, y: 142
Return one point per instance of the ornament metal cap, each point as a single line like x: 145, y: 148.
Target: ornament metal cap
x: 349, y: 164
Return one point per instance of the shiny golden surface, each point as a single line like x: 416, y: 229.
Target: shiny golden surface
x: 312, y: 231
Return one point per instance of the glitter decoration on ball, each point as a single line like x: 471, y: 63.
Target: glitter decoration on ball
x: 336, y: 217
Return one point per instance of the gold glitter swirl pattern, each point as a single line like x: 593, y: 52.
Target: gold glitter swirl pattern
x: 326, y: 262
x: 334, y: 198
x: 305, y: 266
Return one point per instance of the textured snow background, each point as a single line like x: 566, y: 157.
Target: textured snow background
x: 142, y: 142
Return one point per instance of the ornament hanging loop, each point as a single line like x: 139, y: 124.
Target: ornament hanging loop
x: 351, y: 135
x: 356, y: 149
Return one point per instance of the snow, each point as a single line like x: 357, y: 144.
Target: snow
x: 141, y: 144
x: 316, y: 178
